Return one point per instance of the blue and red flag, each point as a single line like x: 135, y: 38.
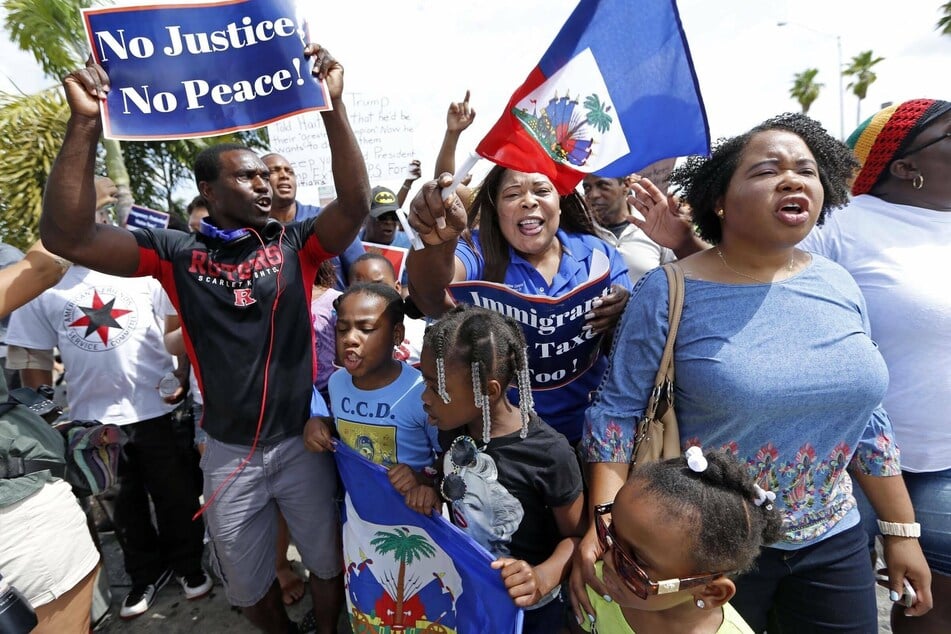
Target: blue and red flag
x: 615, y: 92
x: 412, y: 573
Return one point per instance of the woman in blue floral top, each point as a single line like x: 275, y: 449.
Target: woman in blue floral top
x: 774, y: 363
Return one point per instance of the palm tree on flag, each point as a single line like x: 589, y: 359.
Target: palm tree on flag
x: 805, y: 89
x: 863, y: 77
x: 598, y: 116
x: 406, y: 549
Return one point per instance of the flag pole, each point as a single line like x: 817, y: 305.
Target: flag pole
x: 446, y: 192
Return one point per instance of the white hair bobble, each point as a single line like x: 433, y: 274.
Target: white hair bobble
x: 695, y: 459
x: 762, y: 495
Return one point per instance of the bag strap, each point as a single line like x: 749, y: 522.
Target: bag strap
x: 663, y: 381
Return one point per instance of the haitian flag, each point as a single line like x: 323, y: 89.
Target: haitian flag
x: 412, y: 573
x: 615, y: 91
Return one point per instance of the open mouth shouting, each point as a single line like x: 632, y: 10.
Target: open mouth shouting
x: 793, y: 210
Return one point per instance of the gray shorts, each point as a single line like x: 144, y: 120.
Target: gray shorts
x: 242, y: 519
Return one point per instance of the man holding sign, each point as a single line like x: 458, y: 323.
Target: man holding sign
x: 242, y: 287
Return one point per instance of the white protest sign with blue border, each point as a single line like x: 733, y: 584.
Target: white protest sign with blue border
x: 190, y: 70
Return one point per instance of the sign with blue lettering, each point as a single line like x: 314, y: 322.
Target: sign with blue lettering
x: 180, y: 71
x: 559, y: 349
x: 145, y: 218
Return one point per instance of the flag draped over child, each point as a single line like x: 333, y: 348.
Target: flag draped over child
x: 615, y: 92
x: 410, y: 572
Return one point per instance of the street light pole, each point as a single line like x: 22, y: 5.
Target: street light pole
x: 838, y: 49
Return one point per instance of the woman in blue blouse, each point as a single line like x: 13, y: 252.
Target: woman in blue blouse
x: 774, y: 364
x: 535, y: 242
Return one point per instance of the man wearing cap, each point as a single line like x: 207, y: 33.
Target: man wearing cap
x: 382, y: 227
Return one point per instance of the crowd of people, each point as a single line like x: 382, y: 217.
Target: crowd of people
x: 808, y: 359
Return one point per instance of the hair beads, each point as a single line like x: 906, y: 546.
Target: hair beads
x: 493, y: 347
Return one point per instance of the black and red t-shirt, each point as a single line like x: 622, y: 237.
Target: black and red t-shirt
x: 245, y: 312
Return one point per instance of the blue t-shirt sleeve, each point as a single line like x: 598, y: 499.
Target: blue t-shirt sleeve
x: 471, y: 260
x: 620, y: 401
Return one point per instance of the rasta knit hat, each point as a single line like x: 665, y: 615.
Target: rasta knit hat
x: 886, y: 134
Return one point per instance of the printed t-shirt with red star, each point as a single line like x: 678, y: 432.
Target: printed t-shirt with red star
x: 109, y: 332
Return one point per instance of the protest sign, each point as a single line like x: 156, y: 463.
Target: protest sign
x: 559, y: 350
x: 187, y: 70
x: 409, y: 572
x: 384, y: 130
x: 396, y: 255
x: 144, y: 218
x: 659, y: 173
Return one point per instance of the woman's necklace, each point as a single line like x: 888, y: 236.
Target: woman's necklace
x: 789, y: 267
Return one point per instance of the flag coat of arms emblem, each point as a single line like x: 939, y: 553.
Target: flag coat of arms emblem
x: 615, y: 92
x: 407, y: 572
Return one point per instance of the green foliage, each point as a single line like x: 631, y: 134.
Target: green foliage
x: 805, y: 89
x: 598, y: 115
x: 52, y: 30
x: 405, y: 546
x: 944, y: 24
x: 31, y: 132
x: 861, y: 72
x: 863, y: 77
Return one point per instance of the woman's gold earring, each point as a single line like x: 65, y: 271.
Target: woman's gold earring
x: 918, y: 181
x: 720, y: 213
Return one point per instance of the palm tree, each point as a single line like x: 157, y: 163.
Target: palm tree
x: 31, y: 132
x: 598, y: 115
x: 805, y: 89
x: 52, y: 31
x: 863, y: 77
x: 944, y: 24
x: 406, y: 548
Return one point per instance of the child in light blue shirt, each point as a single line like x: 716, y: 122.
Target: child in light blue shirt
x: 377, y: 400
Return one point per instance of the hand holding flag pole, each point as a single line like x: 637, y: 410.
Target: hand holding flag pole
x: 460, y: 175
x: 445, y: 193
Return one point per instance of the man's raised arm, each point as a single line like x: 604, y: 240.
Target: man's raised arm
x: 338, y: 224
x: 68, y: 225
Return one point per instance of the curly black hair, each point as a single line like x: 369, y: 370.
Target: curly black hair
x: 575, y: 218
x: 705, y: 180
x: 718, y: 504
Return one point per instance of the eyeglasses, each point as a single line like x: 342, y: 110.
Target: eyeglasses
x: 388, y: 218
x: 462, y: 455
x: 633, y: 576
x: 928, y: 144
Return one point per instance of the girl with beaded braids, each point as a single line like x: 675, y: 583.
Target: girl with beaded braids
x: 512, y: 481
x: 775, y: 363
x: 680, y: 579
x: 521, y: 233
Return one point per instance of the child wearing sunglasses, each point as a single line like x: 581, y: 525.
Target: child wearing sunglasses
x: 376, y: 399
x: 679, y: 530
x: 513, y: 482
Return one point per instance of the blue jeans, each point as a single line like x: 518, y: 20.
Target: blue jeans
x: 930, y: 494
x: 826, y: 587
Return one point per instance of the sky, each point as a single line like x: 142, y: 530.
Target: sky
x: 429, y: 52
